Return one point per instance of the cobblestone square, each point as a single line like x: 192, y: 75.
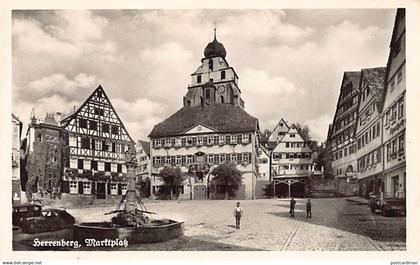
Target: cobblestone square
x: 337, y: 224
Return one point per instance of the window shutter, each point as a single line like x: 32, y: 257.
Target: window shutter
x: 80, y: 185
x: 119, y: 189
x: 65, y: 187
x: 103, y: 146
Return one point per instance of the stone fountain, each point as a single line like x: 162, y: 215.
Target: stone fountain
x: 131, y: 221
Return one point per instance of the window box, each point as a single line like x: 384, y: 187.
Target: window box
x: 115, y: 176
x: 71, y: 173
x: 100, y: 176
x: 86, y: 173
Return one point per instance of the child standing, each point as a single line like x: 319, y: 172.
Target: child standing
x: 238, y: 213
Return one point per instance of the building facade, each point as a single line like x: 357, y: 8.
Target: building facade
x: 343, y: 144
x: 143, y: 169
x: 394, y: 113
x: 143, y: 159
x: 291, y: 164
x: 45, y: 155
x: 212, y: 128
x: 16, y: 134
x: 263, y: 163
x: 277, y: 134
x: 369, y: 131
x: 97, y: 141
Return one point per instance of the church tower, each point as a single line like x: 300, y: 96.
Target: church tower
x: 214, y: 81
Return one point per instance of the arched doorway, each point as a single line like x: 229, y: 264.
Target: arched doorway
x: 297, y: 190
x: 295, y: 187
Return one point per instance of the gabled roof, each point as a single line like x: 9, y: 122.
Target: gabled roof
x: 65, y: 121
x: 400, y: 14
x: 287, y: 126
x: 374, y: 78
x: 145, y: 146
x: 291, y: 127
x: 224, y: 118
x: 49, y: 119
x: 354, y: 78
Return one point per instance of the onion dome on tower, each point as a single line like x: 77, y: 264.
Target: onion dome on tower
x: 214, y: 49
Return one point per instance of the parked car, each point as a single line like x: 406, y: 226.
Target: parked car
x: 24, y: 211
x: 50, y: 220
x: 387, y: 204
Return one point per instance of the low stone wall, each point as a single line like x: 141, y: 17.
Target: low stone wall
x: 322, y: 188
x: 347, y: 189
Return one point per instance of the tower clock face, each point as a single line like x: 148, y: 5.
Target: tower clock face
x: 221, y: 89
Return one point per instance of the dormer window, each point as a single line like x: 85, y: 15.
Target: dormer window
x: 223, y: 75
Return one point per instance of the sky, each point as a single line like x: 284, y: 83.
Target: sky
x: 290, y: 63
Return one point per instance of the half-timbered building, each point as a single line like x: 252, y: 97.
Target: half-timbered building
x: 291, y: 164
x: 343, y: 145
x: 368, y: 132
x: 97, y: 140
x: 277, y: 134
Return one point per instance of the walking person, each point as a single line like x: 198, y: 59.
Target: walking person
x: 292, y: 207
x: 309, y: 209
x: 238, y: 213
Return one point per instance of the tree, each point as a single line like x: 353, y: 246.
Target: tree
x: 229, y: 175
x: 172, y: 177
x: 304, y: 131
x: 267, y: 133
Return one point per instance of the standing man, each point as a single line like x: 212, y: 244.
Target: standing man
x: 238, y: 213
x: 292, y: 207
x: 309, y: 209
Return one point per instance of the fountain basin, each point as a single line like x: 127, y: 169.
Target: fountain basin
x: 156, y: 231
